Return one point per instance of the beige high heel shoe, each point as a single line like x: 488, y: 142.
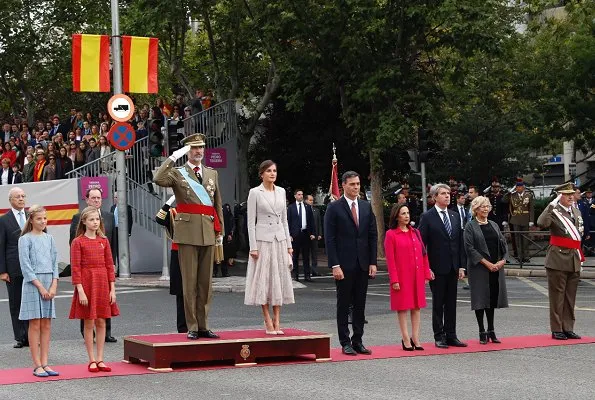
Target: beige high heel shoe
x: 267, y: 331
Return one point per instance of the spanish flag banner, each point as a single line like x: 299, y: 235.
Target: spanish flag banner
x: 90, y: 63
x: 139, y: 64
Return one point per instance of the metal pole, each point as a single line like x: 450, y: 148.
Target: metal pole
x: 165, y: 266
x: 123, y: 251
x: 424, y: 195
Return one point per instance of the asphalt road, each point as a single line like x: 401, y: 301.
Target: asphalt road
x: 542, y: 373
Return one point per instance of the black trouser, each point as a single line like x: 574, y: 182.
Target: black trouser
x: 444, y: 305
x: 301, y: 244
x: 314, y: 254
x: 108, y: 327
x: 15, y: 291
x: 180, y: 315
x: 223, y: 265
x: 351, y: 290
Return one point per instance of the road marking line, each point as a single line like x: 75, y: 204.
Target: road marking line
x: 64, y: 296
x: 534, y: 285
x: 589, y: 281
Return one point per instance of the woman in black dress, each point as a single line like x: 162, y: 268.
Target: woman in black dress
x: 486, y: 255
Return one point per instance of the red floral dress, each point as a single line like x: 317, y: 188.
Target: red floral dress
x: 92, y: 266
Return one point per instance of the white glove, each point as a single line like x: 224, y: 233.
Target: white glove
x: 171, y: 200
x: 219, y: 240
x: 531, y: 224
x: 179, y: 153
x: 504, y: 223
x: 556, y: 200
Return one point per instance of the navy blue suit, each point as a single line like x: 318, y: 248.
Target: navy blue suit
x: 446, y: 255
x: 584, y: 209
x: 301, y: 238
x: 353, y: 248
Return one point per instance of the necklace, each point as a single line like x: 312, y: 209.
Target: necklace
x: 481, y: 222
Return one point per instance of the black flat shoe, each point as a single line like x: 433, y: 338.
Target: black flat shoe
x: 360, y: 349
x: 192, y: 335
x: 110, y: 339
x: 18, y: 345
x: 455, y: 343
x: 207, y: 334
x: 441, y: 344
x: 492, y: 337
x: 571, y: 335
x: 348, y: 350
x: 407, y: 348
x: 559, y: 336
x: 483, y: 338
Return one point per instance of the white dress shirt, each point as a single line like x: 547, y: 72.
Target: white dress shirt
x: 304, y: 221
x: 4, y: 176
x: 16, y: 215
x: 463, y: 215
x: 349, y: 203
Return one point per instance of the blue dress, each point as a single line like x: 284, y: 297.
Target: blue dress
x: 39, y: 260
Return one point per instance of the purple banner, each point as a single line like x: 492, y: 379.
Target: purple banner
x: 96, y: 182
x: 216, y: 158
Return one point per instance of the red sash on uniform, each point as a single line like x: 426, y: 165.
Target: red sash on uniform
x: 201, y: 209
x: 568, y: 243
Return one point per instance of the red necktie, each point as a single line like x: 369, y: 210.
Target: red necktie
x: 197, y: 173
x: 354, y: 214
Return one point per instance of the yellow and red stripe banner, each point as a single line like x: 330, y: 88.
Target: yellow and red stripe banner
x: 139, y: 64
x: 90, y: 63
x: 60, y: 214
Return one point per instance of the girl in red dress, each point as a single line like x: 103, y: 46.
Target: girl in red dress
x: 409, y: 270
x: 94, y: 279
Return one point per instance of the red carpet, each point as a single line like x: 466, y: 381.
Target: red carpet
x: 25, y: 375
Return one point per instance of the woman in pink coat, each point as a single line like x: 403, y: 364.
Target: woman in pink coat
x: 409, y: 270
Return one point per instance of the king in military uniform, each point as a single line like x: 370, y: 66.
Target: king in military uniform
x: 563, y: 260
x: 520, y: 217
x: 198, y: 226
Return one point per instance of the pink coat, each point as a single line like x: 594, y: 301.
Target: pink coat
x: 408, y: 267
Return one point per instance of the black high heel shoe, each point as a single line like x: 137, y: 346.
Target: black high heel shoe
x: 493, y: 338
x: 405, y: 347
x: 416, y: 347
x: 483, y: 338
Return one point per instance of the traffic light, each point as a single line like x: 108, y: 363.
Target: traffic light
x: 413, y: 160
x: 426, y: 145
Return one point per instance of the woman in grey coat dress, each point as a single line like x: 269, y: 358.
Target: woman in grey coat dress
x: 486, y: 255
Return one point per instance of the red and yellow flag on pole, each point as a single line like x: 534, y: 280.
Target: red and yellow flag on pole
x: 139, y: 64
x: 90, y: 63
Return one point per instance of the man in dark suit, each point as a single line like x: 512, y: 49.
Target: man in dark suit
x: 93, y: 197
x: 318, y: 235
x: 114, y: 211
x: 301, y: 229
x: 461, y: 210
x: 351, y: 239
x: 441, y: 232
x: 11, y: 225
x: 58, y: 127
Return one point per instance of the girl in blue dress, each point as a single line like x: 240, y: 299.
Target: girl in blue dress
x: 38, y: 257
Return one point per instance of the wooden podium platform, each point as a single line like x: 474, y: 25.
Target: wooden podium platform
x: 241, y: 347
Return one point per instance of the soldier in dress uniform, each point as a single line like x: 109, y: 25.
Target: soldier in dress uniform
x: 563, y: 261
x: 198, y: 228
x: 412, y: 203
x: 498, y: 212
x: 520, y: 217
x: 589, y: 202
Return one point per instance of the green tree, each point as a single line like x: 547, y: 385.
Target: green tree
x: 378, y: 60
x: 35, y: 52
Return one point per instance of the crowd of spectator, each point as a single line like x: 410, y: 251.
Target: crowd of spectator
x: 52, y: 148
